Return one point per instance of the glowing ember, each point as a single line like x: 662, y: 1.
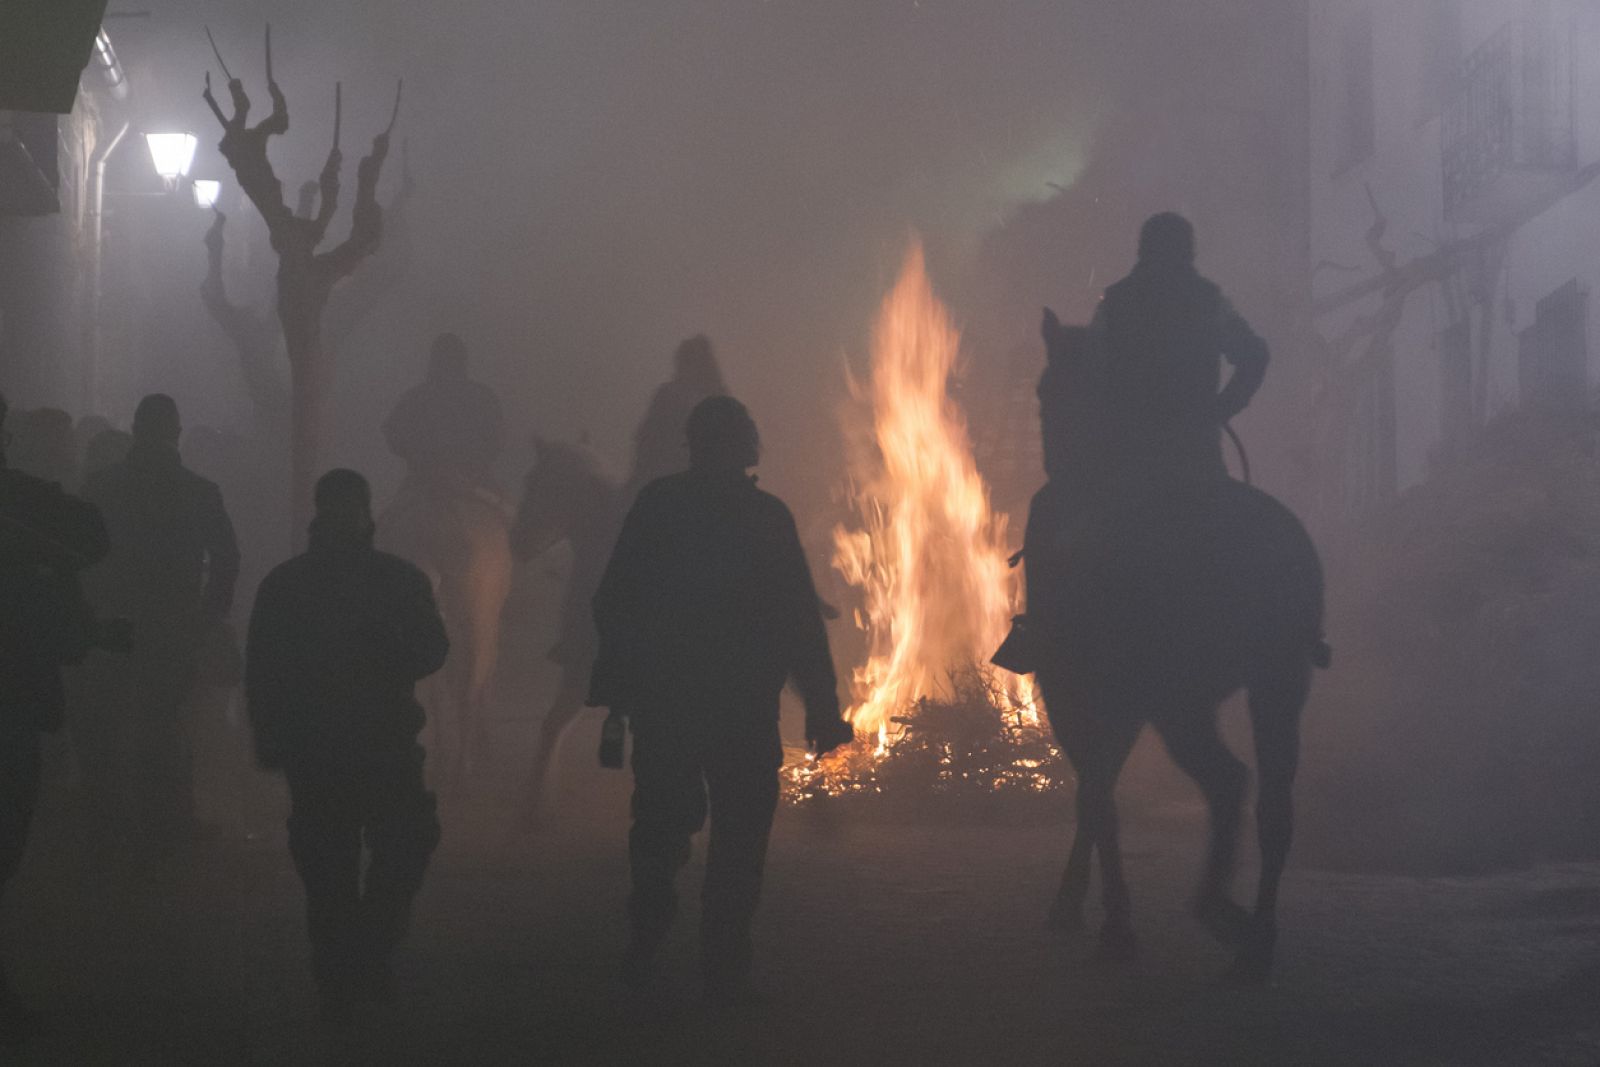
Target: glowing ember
x: 928, y: 555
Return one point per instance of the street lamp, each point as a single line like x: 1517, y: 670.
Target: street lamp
x: 206, y: 191
x: 172, y: 154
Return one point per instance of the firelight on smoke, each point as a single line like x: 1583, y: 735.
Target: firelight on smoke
x: 928, y: 554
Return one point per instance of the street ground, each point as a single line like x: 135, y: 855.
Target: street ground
x: 885, y: 937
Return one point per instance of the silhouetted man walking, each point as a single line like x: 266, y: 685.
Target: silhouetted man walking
x: 705, y: 610
x: 1166, y: 330
x: 338, y: 639
x: 172, y: 569
x: 46, y: 538
x: 448, y: 428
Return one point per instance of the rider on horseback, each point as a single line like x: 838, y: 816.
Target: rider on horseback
x: 449, y: 518
x: 1162, y: 329
x: 1132, y: 410
x: 659, y: 448
x: 447, y: 428
x: 1157, y: 587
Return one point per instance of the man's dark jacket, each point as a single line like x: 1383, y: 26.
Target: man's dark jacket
x: 338, y: 639
x: 1167, y: 331
x: 46, y: 538
x: 174, y: 557
x: 707, y: 604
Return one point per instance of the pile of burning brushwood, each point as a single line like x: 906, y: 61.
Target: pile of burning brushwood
x: 963, y: 745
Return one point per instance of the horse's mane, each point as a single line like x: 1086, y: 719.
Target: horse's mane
x: 1074, y: 421
x: 1071, y: 352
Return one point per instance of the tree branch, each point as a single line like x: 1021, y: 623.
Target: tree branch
x: 254, y: 337
x: 1439, y: 263
x: 366, y: 227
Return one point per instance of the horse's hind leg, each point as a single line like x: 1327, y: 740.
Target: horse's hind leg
x: 479, y: 596
x: 1198, y: 750
x: 564, y: 711
x: 1116, y: 932
x: 1276, y: 702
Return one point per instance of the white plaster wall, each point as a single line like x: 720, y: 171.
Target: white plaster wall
x: 1404, y: 173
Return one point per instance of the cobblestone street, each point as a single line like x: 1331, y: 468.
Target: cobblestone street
x: 882, y: 940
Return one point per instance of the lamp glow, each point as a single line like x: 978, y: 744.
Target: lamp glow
x: 206, y: 192
x: 172, y: 154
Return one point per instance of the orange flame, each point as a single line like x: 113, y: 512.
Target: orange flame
x: 930, y: 556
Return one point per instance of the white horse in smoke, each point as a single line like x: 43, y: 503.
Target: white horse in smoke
x: 459, y: 536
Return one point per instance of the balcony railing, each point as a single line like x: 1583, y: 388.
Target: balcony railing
x: 1508, y: 127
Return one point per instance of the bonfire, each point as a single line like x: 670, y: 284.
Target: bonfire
x: 929, y: 558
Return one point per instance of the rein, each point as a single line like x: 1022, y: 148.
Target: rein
x: 1238, y: 446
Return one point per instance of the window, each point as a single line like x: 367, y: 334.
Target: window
x: 1553, y: 353
x: 1358, y: 118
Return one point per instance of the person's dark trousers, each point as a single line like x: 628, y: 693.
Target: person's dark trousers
x: 685, y: 766
x: 356, y: 922
x: 20, y: 764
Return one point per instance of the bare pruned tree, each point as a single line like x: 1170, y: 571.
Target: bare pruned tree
x: 306, y: 277
x: 254, y: 333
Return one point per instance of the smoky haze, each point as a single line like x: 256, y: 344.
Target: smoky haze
x: 597, y: 181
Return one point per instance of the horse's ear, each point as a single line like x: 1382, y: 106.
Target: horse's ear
x: 1051, y: 332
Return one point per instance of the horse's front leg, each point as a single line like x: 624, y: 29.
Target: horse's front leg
x: 1066, y: 913
x: 479, y: 597
x: 443, y: 750
x: 1101, y: 762
x: 461, y: 716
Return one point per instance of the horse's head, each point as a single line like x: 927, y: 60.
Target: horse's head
x: 1072, y: 417
x: 1072, y: 357
x: 560, y: 493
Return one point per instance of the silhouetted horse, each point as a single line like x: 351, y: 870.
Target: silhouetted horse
x: 459, y: 535
x: 1152, y: 604
x: 567, y: 498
